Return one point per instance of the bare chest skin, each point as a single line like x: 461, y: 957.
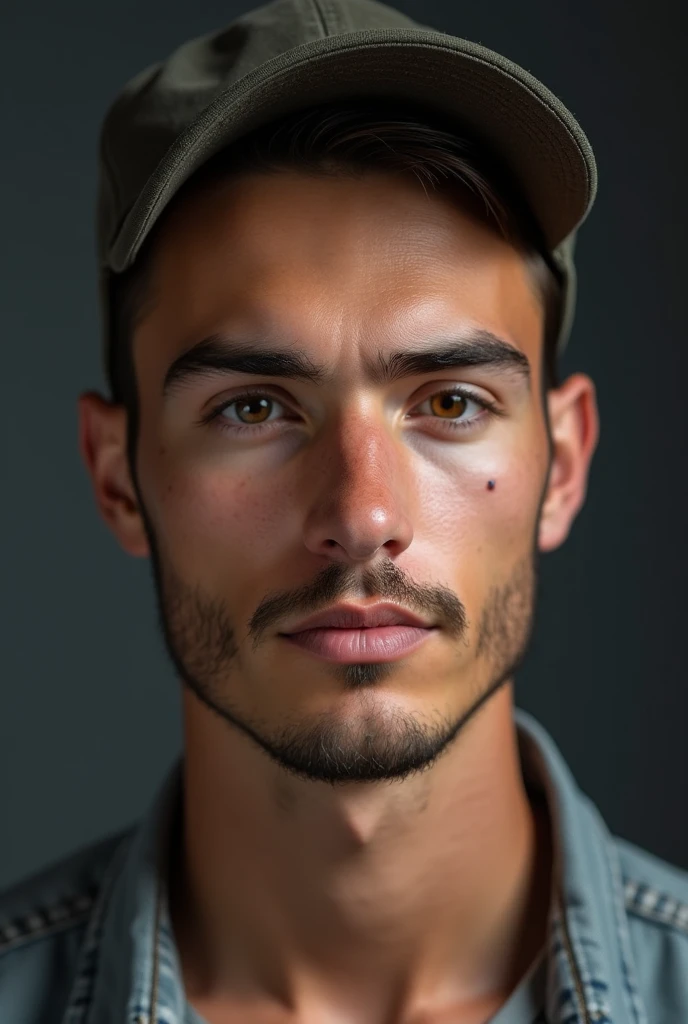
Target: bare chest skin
x: 480, y: 1012
x: 477, y: 1011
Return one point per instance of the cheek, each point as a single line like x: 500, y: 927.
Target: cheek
x: 488, y: 503
x: 212, y: 517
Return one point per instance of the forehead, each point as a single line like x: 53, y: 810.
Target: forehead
x: 328, y: 257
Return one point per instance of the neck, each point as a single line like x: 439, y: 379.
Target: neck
x: 384, y: 900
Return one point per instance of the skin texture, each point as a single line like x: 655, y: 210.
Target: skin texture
x: 356, y: 842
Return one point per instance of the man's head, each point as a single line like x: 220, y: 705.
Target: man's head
x: 351, y: 139
x: 353, y: 241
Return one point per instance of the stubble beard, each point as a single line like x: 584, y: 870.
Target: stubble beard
x: 380, y: 742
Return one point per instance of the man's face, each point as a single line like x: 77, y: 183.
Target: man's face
x: 350, y: 488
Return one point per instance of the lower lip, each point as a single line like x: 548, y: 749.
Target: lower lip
x: 376, y: 643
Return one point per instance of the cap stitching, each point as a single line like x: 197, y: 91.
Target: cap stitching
x: 320, y: 18
x: 374, y: 48
x: 330, y: 16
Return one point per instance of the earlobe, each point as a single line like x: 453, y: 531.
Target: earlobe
x: 103, y: 447
x: 574, y: 423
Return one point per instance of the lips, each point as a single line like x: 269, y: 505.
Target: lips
x: 348, y: 616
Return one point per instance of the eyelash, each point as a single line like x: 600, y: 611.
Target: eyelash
x: 246, y: 428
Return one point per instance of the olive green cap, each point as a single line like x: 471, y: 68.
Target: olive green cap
x: 290, y: 54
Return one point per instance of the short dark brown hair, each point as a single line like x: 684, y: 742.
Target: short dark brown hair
x: 353, y: 137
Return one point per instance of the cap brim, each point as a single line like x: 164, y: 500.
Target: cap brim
x: 522, y: 121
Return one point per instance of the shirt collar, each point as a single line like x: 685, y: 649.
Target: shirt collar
x: 129, y: 970
x: 591, y: 973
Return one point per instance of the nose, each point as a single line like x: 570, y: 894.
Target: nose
x: 362, y: 496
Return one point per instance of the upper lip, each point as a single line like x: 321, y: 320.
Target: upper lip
x: 350, y: 616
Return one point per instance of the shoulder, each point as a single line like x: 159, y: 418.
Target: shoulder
x: 43, y: 923
x: 655, y: 895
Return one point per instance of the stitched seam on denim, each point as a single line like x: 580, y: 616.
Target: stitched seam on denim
x: 641, y: 900
x: 155, y: 1008
x: 567, y: 997
x: 596, y: 1005
x: 42, y: 921
x: 153, y: 996
x: 624, y: 937
x: 26, y: 938
x: 650, y: 918
x: 81, y: 994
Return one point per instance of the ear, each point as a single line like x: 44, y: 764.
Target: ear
x: 103, y: 446
x: 575, y: 428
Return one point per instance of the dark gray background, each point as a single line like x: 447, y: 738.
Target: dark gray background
x: 89, y: 708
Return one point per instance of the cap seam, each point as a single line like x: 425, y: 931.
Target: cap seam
x: 324, y: 28
x: 201, y: 126
x: 377, y: 46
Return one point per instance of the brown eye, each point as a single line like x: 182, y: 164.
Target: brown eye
x: 249, y: 414
x: 251, y: 409
x: 448, y: 405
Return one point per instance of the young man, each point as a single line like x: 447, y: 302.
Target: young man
x: 337, y: 270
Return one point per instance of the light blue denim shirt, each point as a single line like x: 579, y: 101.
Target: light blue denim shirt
x: 88, y: 940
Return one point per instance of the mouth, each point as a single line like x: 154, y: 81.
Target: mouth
x: 366, y: 643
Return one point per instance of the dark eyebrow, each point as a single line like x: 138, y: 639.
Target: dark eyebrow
x: 220, y: 354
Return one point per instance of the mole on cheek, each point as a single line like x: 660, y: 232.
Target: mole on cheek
x: 490, y: 485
